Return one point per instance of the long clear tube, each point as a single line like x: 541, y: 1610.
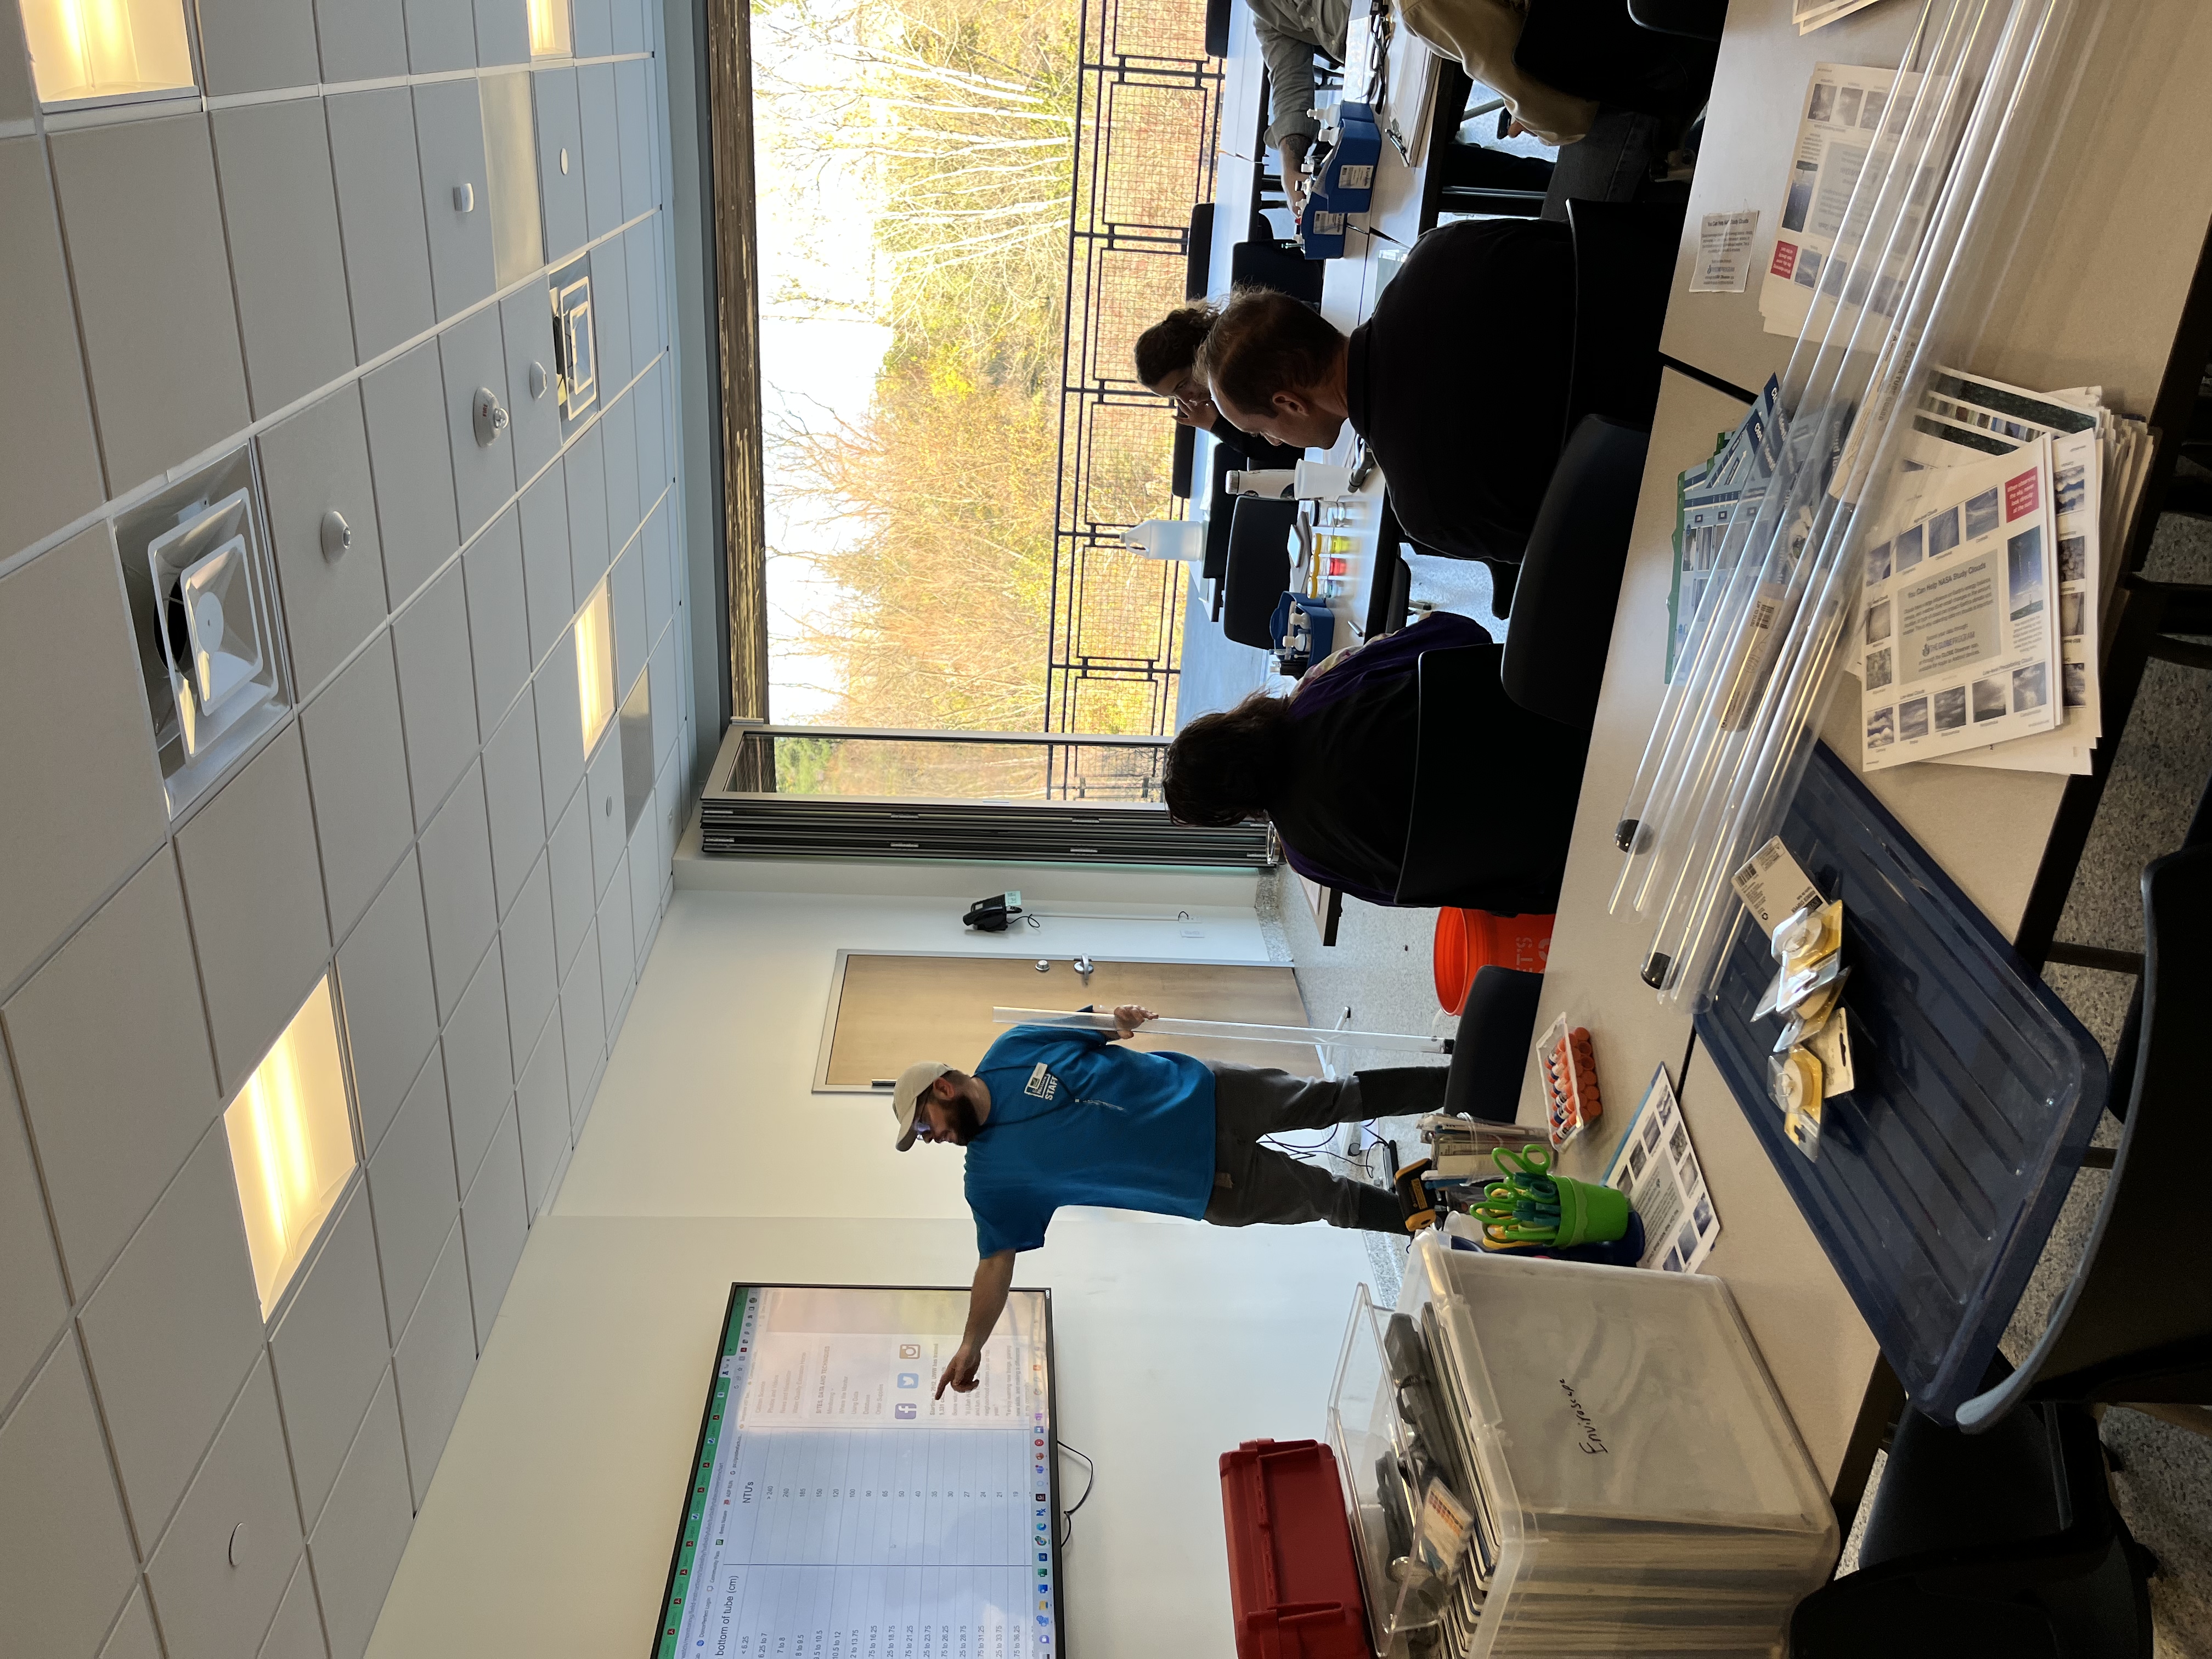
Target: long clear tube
x: 1770, y: 782
x: 1720, y: 609
x: 1980, y: 83
x: 1822, y: 381
x: 1812, y: 605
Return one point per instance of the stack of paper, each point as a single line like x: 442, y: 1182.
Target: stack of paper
x: 1976, y: 636
x: 1708, y: 498
x: 1809, y: 15
x: 1853, y: 124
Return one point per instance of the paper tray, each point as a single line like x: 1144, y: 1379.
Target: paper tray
x: 1941, y: 1173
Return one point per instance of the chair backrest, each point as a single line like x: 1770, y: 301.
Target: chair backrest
x: 2136, y: 1323
x: 1494, y: 792
x: 1198, y: 251
x: 1490, y: 1053
x: 1258, y: 569
x: 1701, y: 20
x: 1221, y: 510
x: 1570, y: 578
x: 1280, y: 265
x: 1390, y: 593
x: 1217, y: 28
x: 1624, y: 259
x: 2005, y: 1543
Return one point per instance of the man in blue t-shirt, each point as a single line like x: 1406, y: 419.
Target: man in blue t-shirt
x: 1055, y: 1115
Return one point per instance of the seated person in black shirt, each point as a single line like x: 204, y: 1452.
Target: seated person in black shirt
x: 1332, y: 765
x: 1458, y: 381
x: 1165, y: 353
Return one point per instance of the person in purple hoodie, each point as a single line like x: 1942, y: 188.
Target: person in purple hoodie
x: 1331, y: 765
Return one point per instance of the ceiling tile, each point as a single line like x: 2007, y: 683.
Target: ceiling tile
x: 52, y: 473
x: 436, y: 1357
x: 168, y: 322
x: 111, y: 1041
x: 457, y: 890
x: 437, y: 688
x: 329, y: 1350
x: 404, y: 402
x: 495, y: 1221
x: 84, y: 805
x: 281, y: 217
x: 499, y: 619
x: 65, y: 1557
x: 357, y: 1544
x: 391, y: 1014
x: 357, y: 774
x: 526, y: 952
x: 314, y: 464
x: 172, y: 1331
x: 413, y: 1194
x: 387, y: 249
x: 34, y: 1302
x: 253, y: 887
x: 222, y: 1566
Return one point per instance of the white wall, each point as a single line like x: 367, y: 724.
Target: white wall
x: 718, y: 1056
x: 708, y: 1161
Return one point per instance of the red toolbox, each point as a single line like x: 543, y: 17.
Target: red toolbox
x: 1293, y: 1586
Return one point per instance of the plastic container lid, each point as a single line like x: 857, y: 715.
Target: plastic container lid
x: 1976, y: 1092
x: 1645, y: 1487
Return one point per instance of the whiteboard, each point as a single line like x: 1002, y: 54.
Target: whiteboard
x: 836, y: 1506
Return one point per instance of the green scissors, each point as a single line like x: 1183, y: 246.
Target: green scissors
x: 1522, y: 1162
x: 1522, y: 1208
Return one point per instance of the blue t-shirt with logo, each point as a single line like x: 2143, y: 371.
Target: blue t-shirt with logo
x: 1078, y: 1120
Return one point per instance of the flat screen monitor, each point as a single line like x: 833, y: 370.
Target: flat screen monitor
x: 838, y: 1508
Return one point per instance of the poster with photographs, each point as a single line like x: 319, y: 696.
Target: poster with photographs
x: 1657, y: 1168
x: 1964, y: 416
x: 1854, y: 159
x: 1959, y: 614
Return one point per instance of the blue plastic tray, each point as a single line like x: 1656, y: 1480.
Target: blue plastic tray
x: 1941, y: 1173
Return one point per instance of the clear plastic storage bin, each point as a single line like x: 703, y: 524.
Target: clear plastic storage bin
x: 1636, y: 1484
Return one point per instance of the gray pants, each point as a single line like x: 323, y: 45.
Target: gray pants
x: 1254, y: 1183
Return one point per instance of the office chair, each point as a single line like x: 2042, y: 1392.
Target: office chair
x: 1467, y: 843
x: 1570, y: 580
x: 1623, y: 263
x: 1221, y: 506
x: 2136, y: 1323
x: 1701, y: 20
x: 1258, y: 569
x: 1217, y: 28
x: 1262, y: 261
x: 1594, y: 49
x: 2004, y: 1544
x: 1390, y: 595
x: 1490, y: 1051
x: 1198, y: 251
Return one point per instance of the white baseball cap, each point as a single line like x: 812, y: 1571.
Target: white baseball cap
x: 906, y: 1096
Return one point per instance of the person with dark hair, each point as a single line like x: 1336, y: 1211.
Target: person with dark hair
x: 1332, y: 766
x: 1055, y: 1115
x: 1458, y: 381
x: 1165, y: 354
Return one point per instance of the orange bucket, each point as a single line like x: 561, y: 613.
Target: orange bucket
x: 1468, y: 941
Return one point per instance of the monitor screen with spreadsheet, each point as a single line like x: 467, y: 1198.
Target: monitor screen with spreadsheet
x: 838, y: 1507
